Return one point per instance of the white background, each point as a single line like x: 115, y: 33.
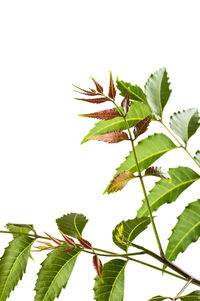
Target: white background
x: 45, y: 46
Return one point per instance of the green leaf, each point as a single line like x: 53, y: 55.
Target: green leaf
x: 159, y: 298
x: 54, y: 273
x: 157, y: 91
x: 148, y: 151
x: 112, y: 286
x: 186, y: 231
x: 136, y: 92
x: 185, y: 123
x: 197, y: 156
x: 72, y: 224
x: 20, y: 228
x: 129, y: 230
x: 166, y: 191
x: 137, y: 112
x: 194, y: 296
x: 13, y: 264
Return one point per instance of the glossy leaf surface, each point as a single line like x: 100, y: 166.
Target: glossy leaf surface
x: 166, y: 191
x: 111, y: 288
x: 157, y: 91
x: 186, y: 231
x: 72, y: 224
x: 129, y: 230
x: 137, y: 112
x: 185, y: 123
x: 13, y: 264
x: 54, y: 273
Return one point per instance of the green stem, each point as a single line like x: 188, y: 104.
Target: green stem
x: 141, y: 181
x: 181, y: 145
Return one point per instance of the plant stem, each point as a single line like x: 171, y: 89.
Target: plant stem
x: 182, y: 290
x: 141, y: 181
x: 181, y: 145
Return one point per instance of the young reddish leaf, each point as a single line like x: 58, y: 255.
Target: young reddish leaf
x: 98, y: 87
x: 86, y: 92
x: 110, y: 137
x: 112, y: 91
x: 48, y: 244
x: 57, y: 241
x: 67, y: 250
x: 69, y: 241
x: 40, y: 248
x: 94, y: 100
x: 142, y: 126
x: 126, y: 103
x: 120, y: 181
x: 105, y: 114
x: 157, y: 172
x: 97, y: 265
x: 84, y: 243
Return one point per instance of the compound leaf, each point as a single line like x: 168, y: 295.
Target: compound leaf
x: 129, y: 230
x: 137, y: 112
x: 111, y: 287
x: 194, y: 296
x: 72, y: 224
x: 157, y: 91
x: 13, y: 264
x: 185, y: 123
x: 54, y: 273
x: 186, y: 231
x: 148, y: 151
x: 135, y: 92
x: 166, y: 191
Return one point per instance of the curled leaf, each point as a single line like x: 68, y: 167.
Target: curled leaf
x: 94, y: 100
x: 57, y: 241
x: 120, y: 181
x: 84, y: 243
x: 105, y: 114
x: 98, y: 87
x: 126, y: 103
x: 89, y: 92
x: 69, y: 241
x: 110, y: 137
x: 142, y: 126
x: 112, y: 91
x: 157, y: 172
x: 97, y: 265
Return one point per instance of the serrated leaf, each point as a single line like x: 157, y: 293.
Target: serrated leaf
x: 137, y: 112
x: 112, y: 286
x: 136, y: 92
x: 197, y: 156
x: 20, y: 228
x: 104, y: 115
x: 94, y: 100
x: 148, y: 151
x: 13, y: 264
x: 186, y: 231
x: 112, y: 91
x: 156, y: 172
x: 185, y: 123
x: 98, y: 86
x: 120, y: 181
x: 54, y: 273
x: 159, y: 298
x: 110, y: 137
x: 142, y: 126
x: 167, y: 192
x: 129, y: 230
x: 157, y: 91
x: 194, y: 296
x: 72, y: 224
